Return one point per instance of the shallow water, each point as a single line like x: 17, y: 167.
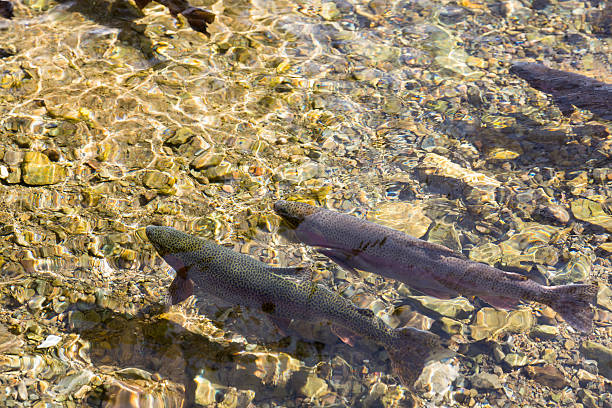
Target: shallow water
x: 403, y: 112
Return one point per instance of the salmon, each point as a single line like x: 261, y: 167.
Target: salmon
x: 203, y: 266
x: 432, y: 269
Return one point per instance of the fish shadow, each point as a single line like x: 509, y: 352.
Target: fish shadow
x: 119, y: 14
x: 157, y: 341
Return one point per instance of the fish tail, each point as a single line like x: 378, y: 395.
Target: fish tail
x: 409, y: 352
x: 573, y: 303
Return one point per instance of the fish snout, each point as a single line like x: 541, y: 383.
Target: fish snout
x: 293, y: 212
x: 156, y: 234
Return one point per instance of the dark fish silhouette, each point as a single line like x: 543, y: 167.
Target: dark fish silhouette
x: 433, y: 269
x: 197, y: 18
x: 568, y: 89
x: 6, y: 9
x: 283, y: 293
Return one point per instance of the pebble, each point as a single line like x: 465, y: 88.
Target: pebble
x: 547, y: 375
x: 486, y: 381
x: 38, y: 170
x: 599, y: 353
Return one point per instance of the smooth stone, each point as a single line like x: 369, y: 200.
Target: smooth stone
x: 545, y: 332
x: 38, y: 170
x: 553, y: 212
x: 218, y: 173
x: 450, y: 326
x: 455, y: 308
x: 207, y: 160
x: 547, y: 375
x: 488, y: 253
x: 604, y: 297
x: 485, y: 381
x: 444, y: 234
x: 599, y: 353
x: 577, y: 269
x: 516, y: 359
x: 51, y: 341
x: 329, y: 11
x: 205, y: 391
x: 71, y: 383
x: 491, y: 323
x: 440, y: 172
x: 591, y: 212
x: 402, y: 216
x: 308, y: 384
x: 133, y: 373
x: 436, y: 379
x: 160, y: 181
x: 181, y: 136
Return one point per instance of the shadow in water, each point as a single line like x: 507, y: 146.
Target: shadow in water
x: 156, y: 341
x: 120, y: 15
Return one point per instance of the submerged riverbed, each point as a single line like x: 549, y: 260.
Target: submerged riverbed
x: 403, y: 112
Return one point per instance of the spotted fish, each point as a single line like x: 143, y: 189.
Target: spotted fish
x: 432, y: 269
x: 283, y: 293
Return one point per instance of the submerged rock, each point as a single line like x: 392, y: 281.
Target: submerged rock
x: 486, y: 381
x: 601, y: 354
x: 547, y: 375
x: 402, y: 216
x: 592, y: 212
x: 491, y: 323
x: 38, y: 170
x: 450, y: 177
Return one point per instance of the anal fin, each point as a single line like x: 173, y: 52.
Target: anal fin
x: 340, y: 257
x: 345, y: 335
x: 180, y: 289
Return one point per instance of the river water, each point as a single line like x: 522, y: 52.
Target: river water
x: 403, y: 112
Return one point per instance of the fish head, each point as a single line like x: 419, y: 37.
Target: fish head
x: 307, y: 223
x: 177, y: 248
x: 294, y: 212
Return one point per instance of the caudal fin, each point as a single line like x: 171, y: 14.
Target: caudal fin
x: 573, y: 303
x: 410, y: 351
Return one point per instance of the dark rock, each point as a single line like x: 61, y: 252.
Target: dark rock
x: 6, y: 9
x: 547, y: 375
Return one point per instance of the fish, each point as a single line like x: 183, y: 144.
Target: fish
x: 204, y: 267
x: 198, y: 18
x: 432, y: 269
x: 568, y: 89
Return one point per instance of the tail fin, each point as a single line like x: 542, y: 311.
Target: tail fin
x: 573, y: 303
x: 410, y: 351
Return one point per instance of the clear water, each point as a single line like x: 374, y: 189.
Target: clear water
x: 401, y: 111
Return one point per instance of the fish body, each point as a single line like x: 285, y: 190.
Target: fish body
x: 430, y: 268
x: 279, y: 293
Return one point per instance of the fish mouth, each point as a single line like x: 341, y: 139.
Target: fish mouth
x: 153, y: 232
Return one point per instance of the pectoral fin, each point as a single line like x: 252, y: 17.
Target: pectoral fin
x: 437, y: 293
x: 302, y: 272
x: 345, y: 335
x: 180, y: 289
x: 281, y: 323
x: 500, y: 302
x: 342, y: 258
